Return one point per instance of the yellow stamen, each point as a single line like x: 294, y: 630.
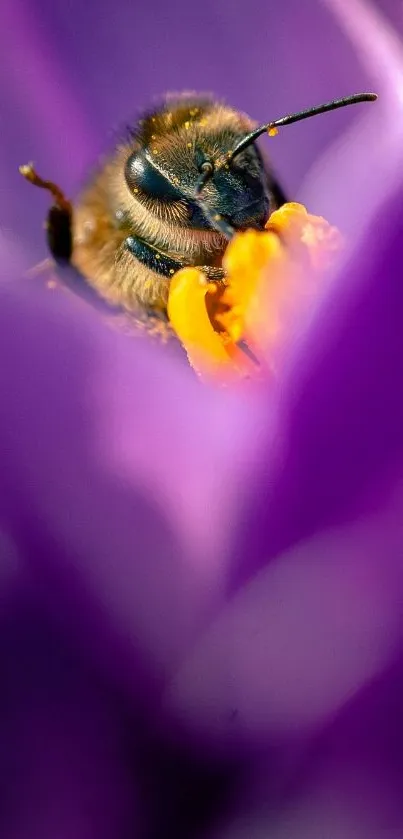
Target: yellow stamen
x: 269, y: 275
x: 208, y: 351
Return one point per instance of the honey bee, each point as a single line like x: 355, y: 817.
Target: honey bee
x: 184, y: 178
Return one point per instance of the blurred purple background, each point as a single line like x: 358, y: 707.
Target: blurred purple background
x: 73, y: 72
x: 200, y: 594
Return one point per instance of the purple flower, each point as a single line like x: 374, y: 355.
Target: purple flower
x: 201, y: 590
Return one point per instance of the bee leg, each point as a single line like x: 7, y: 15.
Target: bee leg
x: 152, y: 257
x: 59, y: 235
x: 59, y: 220
x: 163, y: 264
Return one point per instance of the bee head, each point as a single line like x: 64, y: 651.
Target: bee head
x: 208, y: 169
x: 195, y: 162
x: 170, y: 148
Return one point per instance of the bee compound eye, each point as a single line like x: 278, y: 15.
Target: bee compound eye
x: 143, y: 176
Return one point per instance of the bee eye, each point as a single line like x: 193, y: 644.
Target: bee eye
x: 142, y: 174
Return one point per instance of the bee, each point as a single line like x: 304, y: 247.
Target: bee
x: 180, y: 182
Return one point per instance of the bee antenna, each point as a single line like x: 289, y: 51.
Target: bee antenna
x: 207, y: 170
x: 297, y: 117
x: 208, y: 167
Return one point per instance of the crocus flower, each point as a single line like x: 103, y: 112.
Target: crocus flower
x: 201, y: 588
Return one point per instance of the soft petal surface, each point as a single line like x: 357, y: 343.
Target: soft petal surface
x: 97, y: 492
x: 342, y: 412
x: 342, y: 445
x: 65, y: 760
x: 301, y: 638
x: 342, y: 186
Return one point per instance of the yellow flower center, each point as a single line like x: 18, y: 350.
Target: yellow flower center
x: 228, y: 328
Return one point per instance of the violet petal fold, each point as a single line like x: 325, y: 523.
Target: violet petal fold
x: 122, y: 474
x: 342, y: 414
x: 360, y: 169
x: 341, y: 417
x: 64, y: 761
x: 297, y: 642
x: 342, y: 440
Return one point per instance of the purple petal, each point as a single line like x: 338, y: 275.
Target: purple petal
x: 342, y: 415
x: 349, y: 780
x: 42, y: 120
x: 341, y: 455
x: 64, y: 760
x: 347, y: 184
x: 301, y: 638
x: 122, y: 476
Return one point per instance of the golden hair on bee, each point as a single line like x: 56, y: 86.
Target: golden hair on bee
x: 136, y: 223
x: 182, y: 180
